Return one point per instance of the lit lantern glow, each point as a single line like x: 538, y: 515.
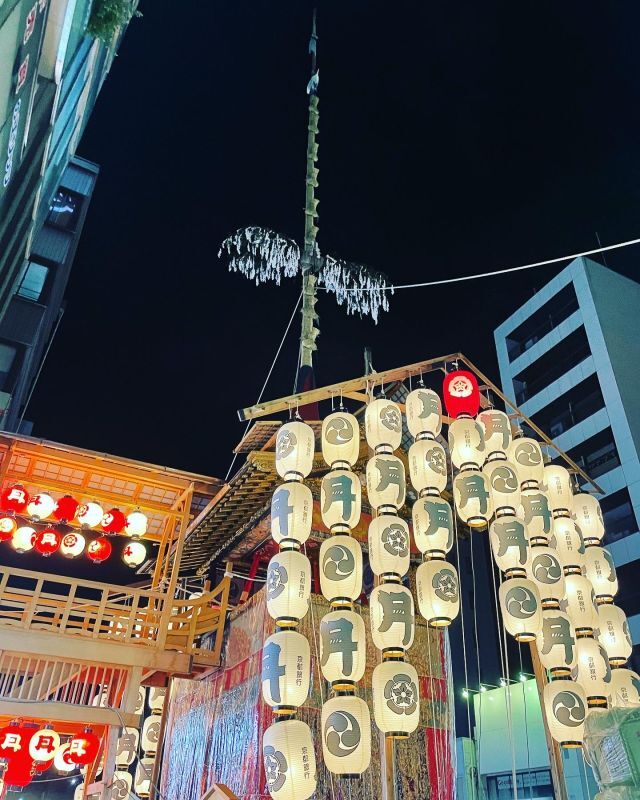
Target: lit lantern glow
x: 556, y: 642
x: 346, y: 735
x: 625, y: 688
x: 466, y: 443
x: 424, y: 413
x: 44, y: 744
x: 23, y: 539
x: 41, y: 506
x: 65, y: 508
x: 544, y: 569
x: 47, y: 541
x: 581, y: 603
x: 496, y: 427
x: 593, y: 672
x: 113, y: 521
x: 14, y: 498
x: 432, y: 525
x: 383, y: 425
x: 286, y: 669
x: 526, y: 455
x: 536, y: 514
x: 438, y: 592
x: 386, y: 487
x: 84, y: 747
x: 504, y: 486
x: 521, y: 608
x: 14, y: 739
x: 509, y: 544
x: 150, y: 734
x: 136, y: 524
x: 340, y: 560
x: 343, y: 648
x: 461, y: 394
x: 121, y: 786
x: 8, y: 527
x: 428, y: 466
x: 99, y: 550
x: 127, y: 748
x: 20, y: 767
x: 294, y: 450
x: 396, y: 698
x: 615, y: 636
x: 72, y: 544
x: 340, y: 440
x: 588, y: 515
x: 340, y: 500
x: 472, y: 499
x: 61, y: 760
x: 558, y: 486
x: 134, y: 553
x: 389, y: 545
x: 392, y: 618
x: 157, y: 696
x: 291, y: 512
x: 568, y: 542
x: 288, y: 587
x: 601, y: 571
x: 565, y: 705
x: 144, y: 773
x: 89, y: 514
x: 289, y: 760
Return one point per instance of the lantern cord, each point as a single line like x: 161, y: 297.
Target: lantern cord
x: 266, y: 381
x: 475, y: 633
x: 493, y: 273
x: 464, y: 640
x: 526, y: 724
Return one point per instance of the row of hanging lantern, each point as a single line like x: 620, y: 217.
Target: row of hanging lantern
x: 287, y: 745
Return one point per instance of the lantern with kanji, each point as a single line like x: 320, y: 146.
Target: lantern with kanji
x: 558, y: 486
x: 291, y: 512
x: 14, y: 739
x: 466, y: 443
x: 509, y: 544
x: 521, y: 608
x: 136, y: 526
x: 593, y: 671
x: 294, y: 450
x: 536, y: 515
x: 343, y: 648
x: 14, y: 498
x: 134, y: 553
x: 99, y: 550
x: 65, y: 508
x: 569, y: 543
x: 340, y: 440
x: 47, y: 541
x: 41, y: 506
x: 396, y: 698
x: 424, y: 413
x: 84, y: 747
x: 392, y: 618
x: 289, y: 760
x: 113, y: 521
x: 565, y: 705
x: 432, y: 525
x: 386, y: 486
x: 44, y: 744
x: 581, y: 603
x: 526, y: 455
x: 496, y: 427
x: 461, y: 394
x: 472, y: 498
x: 143, y: 775
x: 601, y: 571
x: 625, y: 688
x: 588, y: 516
x: 345, y: 726
x: 340, y: 500
x: 72, y: 544
x: 286, y: 670
x: 383, y: 425
x: 615, y: 635
x: 23, y: 539
x: 428, y: 466
x: 556, y: 642
x: 8, y: 527
x: 389, y: 545
x: 89, y: 514
x: 438, y: 592
x: 288, y: 587
x: 340, y: 561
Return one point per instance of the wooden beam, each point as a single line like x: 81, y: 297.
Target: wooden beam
x: 65, y: 712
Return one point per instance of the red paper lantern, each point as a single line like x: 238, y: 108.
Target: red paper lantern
x: 47, y: 541
x: 19, y: 772
x: 66, y: 508
x: 8, y: 526
x: 14, y: 746
x: 14, y: 498
x: 99, y: 550
x: 11, y: 740
x: 113, y: 521
x: 83, y: 747
x: 461, y: 393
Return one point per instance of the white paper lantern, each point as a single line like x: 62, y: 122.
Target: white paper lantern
x: 615, y: 635
x: 345, y: 726
x: 295, y: 444
x: 521, y: 608
x: 151, y: 734
x: 340, y: 561
x: 545, y: 570
x: 383, y: 425
x: 44, y: 744
x: 504, y: 486
x: 558, y: 487
x: 526, y: 455
x: 72, y: 544
x: 389, y: 545
x: 556, y: 642
x: 536, y: 514
x: 433, y: 525
x: 286, y: 669
x: 396, y: 698
x: 291, y: 512
x: 466, y: 443
x: 570, y: 549
x: 288, y: 587
x: 625, y: 688
x: 141, y: 700
x: 89, y: 514
x: 289, y: 760
x: 343, y: 648
x: 23, y: 539
x: 496, y: 427
x: 340, y: 500
x: 157, y: 696
x: 127, y: 747
x: 61, y: 760
x: 593, y: 672
x: 601, y: 571
x: 144, y: 773
x: 340, y: 440
x: 428, y: 466
x: 386, y: 485
x: 41, y: 506
x: 392, y: 617
x: 134, y: 553
x: 472, y: 498
x: 136, y: 524
x: 121, y: 786
x: 424, y: 413
x: 588, y: 515
x: 581, y: 603
x: 565, y: 705
x: 438, y: 592
x: 78, y: 792
x: 509, y: 544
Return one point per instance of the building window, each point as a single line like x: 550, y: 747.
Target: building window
x: 619, y: 517
x: 580, y: 402
x: 596, y: 455
x: 7, y: 358
x: 64, y: 209
x: 33, y: 282
x: 628, y: 597
x: 545, y: 319
x: 537, y: 782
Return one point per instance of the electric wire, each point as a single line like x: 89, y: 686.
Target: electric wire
x: 526, y: 723
x: 475, y: 631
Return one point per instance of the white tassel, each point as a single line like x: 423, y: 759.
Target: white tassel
x: 261, y: 254
x: 363, y: 290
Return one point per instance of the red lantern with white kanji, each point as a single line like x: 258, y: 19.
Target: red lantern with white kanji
x: 66, y: 508
x: 461, y: 394
x: 19, y: 772
x: 11, y: 740
x: 99, y: 550
x: 8, y: 526
x: 14, y: 498
x: 113, y: 521
x: 47, y: 541
x: 134, y: 554
x: 83, y: 747
x: 43, y: 744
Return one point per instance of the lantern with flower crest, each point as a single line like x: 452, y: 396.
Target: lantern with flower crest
x: 396, y: 698
x: 389, y: 545
x: 438, y: 592
x: 428, y: 466
x: 383, y: 425
x: 72, y: 544
x: 461, y: 394
x: 89, y: 514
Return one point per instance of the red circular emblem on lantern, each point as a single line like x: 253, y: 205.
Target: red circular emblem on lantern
x: 14, y: 746
x: 99, y: 550
x: 8, y: 526
x: 113, y: 521
x: 461, y: 394
x: 47, y: 541
x: 14, y: 498
x: 83, y: 747
x: 66, y: 508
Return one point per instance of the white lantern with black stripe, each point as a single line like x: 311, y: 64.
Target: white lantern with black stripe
x: 438, y: 592
x: 593, y: 671
x: 291, y: 512
x: 286, y: 670
x: 340, y: 500
x: 295, y: 442
x: 340, y: 562
x: 428, y: 466
x: 588, y: 516
x: 389, y: 545
x: 625, y: 688
x: 288, y: 587
x: 496, y: 427
x: 521, y: 608
x: 568, y: 542
x: 509, y: 544
x: 343, y: 648
x: 432, y: 525
x: 392, y: 617
x: 601, y: 571
x: 565, y: 705
x: 504, y: 486
x: 386, y: 484
x: 615, y: 635
x: 424, y: 413
x: 581, y: 603
x: 340, y: 440
x: 383, y: 425
x: 345, y: 726
x: 558, y: 487
x: 545, y: 570
x: 396, y: 698
x: 466, y: 443
x: 526, y: 455
x: 556, y: 642
x: 472, y: 498
x: 289, y: 760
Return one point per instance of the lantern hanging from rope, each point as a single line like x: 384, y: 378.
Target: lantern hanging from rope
x: 134, y: 553
x: 544, y: 569
x: 72, y: 544
x: 466, y: 443
x: 286, y: 670
x: 601, y: 571
x: 504, y: 486
x: 509, y: 544
x: 14, y: 498
x: 47, y: 541
x: 496, y: 427
x: 345, y: 724
x: 89, y: 514
x: 8, y: 526
x: 43, y: 744
x: 557, y: 481
x: 113, y: 521
x: 432, y: 525
x: 581, y: 604
x: 625, y: 688
x: 588, y: 516
x: 396, y: 699
x: 615, y: 635
x: 526, y: 455
x: 340, y: 500
x: 472, y: 499
x: 340, y: 560
x: 142, y: 780
x: 593, y: 671
x: 291, y: 512
x: 295, y: 443
x: 392, y: 617
x: 157, y: 697
x: 41, y: 506
x: 150, y: 734
x: 438, y: 592
x: 424, y: 413
x: 521, y: 608
x: 340, y: 440
x: 136, y: 526
x: 65, y: 508
x: 343, y: 648
x: 61, y: 760
x: 565, y: 705
x: 556, y: 642
x: 99, y: 550
x: 383, y: 425
x: 389, y: 545
x: 289, y: 760
x: 386, y: 486
x: 569, y: 544
x: 84, y: 747
x: 461, y: 394
x: 428, y: 466
x: 536, y: 514
x: 288, y: 587
x: 23, y: 539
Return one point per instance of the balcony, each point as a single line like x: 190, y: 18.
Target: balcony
x: 541, y: 322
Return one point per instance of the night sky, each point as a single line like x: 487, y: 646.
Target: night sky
x: 454, y: 139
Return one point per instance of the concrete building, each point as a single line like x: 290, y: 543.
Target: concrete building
x: 569, y: 359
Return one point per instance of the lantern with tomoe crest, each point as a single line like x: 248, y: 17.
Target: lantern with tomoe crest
x: 345, y: 726
x: 340, y: 440
x: 565, y: 706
